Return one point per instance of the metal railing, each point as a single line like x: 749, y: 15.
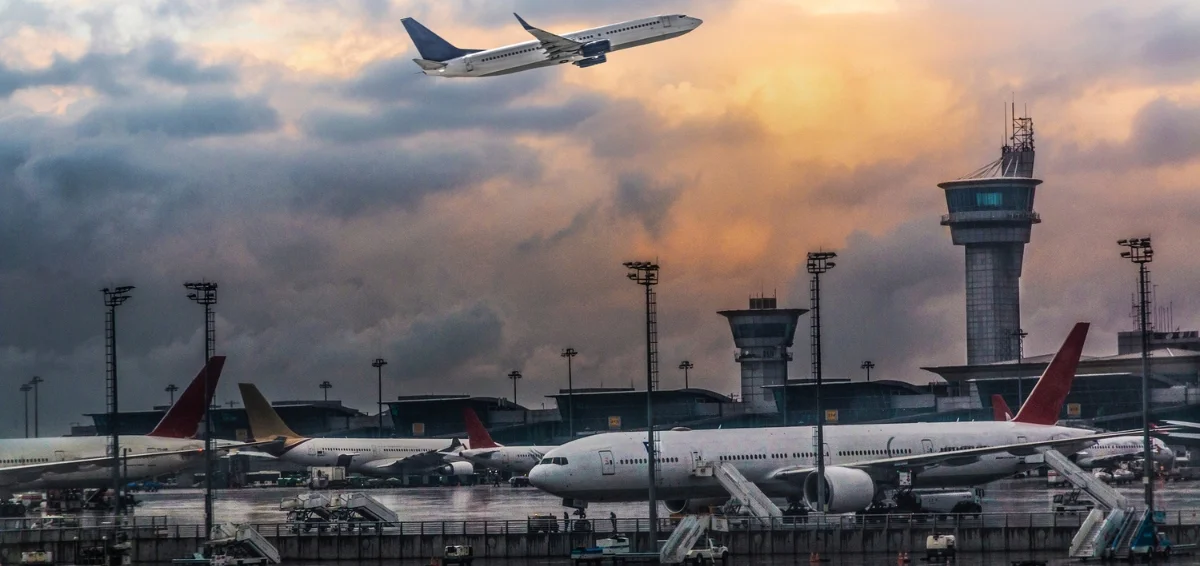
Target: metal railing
x: 157, y: 527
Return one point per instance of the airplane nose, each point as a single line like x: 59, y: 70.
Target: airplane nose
x: 696, y: 22
x: 539, y: 476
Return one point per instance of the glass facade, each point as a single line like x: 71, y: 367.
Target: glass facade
x: 989, y: 198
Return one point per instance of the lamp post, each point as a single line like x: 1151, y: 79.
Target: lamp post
x: 685, y: 366
x: 171, y: 389
x: 378, y: 365
x: 113, y: 298
x: 1020, y: 336
x: 326, y: 386
x: 818, y: 263
x: 204, y: 293
x: 868, y: 365
x: 34, y: 382
x: 26, y: 388
x: 514, y: 375
x: 568, y: 354
x: 1141, y: 253
x: 645, y: 273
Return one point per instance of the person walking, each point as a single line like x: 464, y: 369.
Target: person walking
x: 613, y: 518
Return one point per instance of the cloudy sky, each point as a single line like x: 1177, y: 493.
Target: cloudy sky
x: 350, y: 207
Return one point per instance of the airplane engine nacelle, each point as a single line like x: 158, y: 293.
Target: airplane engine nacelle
x: 595, y: 48
x: 846, y: 490
x: 693, y: 505
x: 457, y: 469
x: 591, y: 61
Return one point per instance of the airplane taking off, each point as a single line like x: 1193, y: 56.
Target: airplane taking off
x: 583, y: 48
x: 382, y: 457
x: 862, y: 461
x: 83, y: 462
x: 485, y: 452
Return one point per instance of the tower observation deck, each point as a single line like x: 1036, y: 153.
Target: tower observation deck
x: 762, y: 334
x: 991, y: 215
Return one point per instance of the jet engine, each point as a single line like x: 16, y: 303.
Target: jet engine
x: 457, y: 469
x: 846, y: 490
x: 694, y: 505
x: 591, y: 61
x: 595, y: 48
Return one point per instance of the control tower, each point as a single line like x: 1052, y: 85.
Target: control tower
x: 991, y: 215
x: 763, y: 334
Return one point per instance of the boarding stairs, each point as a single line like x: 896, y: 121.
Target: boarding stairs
x: 242, y: 544
x: 1098, y: 529
x: 745, y: 491
x: 365, y: 507
x: 1103, y: 493
x: 683, y: 538
x: 1122, y: 545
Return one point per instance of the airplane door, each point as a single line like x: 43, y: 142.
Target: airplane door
x: 470, y: 65
x: 607, y: 467
x: 666, y: 21
x: 927, y: 445
x: 60, y: 456
x: 826, y: 451
x: 697, y: 459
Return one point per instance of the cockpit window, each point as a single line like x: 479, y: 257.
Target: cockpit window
x: 546, y: 461
x: 560, y: 461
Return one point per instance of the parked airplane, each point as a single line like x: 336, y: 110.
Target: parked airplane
x: 83, y: 461
x: 383, y: 457
x: 1105, y: 453
x: 861, y: 460
x: 485, y: 452
x: 584, y: 48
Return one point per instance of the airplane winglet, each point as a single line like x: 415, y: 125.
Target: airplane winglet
x: 1046, y: 400
x: 524, y: 23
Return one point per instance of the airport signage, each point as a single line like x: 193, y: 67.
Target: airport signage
x: 831, y: 415
x: 418, y: 429
x: 1074, y: 410
x: 614, y: 423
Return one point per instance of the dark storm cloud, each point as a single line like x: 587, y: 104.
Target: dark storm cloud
x: 1164, y: 133
x: 436, y: 348
x: 886, y: 301
x: 164, y: 62
x: 411, y: 120
x: 93, y: 171
x: 579, y: 222
x: 348, y: 183
x: 646, y: 200
x: 399, y: 80
x: 190, y: 117
x: 93, y: 69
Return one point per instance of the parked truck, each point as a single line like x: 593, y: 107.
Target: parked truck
x: 706, y: 551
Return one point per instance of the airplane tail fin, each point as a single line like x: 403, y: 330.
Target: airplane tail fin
x: 183, y: 418
x: 1000, y: 410
x: 1046, y: 400
x: 265, y: 423
x: 430, y: 45
x: 477, y: 434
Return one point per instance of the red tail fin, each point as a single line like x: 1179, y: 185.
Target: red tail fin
x: 1000, y: 410
x: 183, y: 418
x: 1046, y: 400
x: 477, y: 435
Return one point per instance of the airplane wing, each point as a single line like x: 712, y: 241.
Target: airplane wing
x: 427, y: 460
x: 554, y: 45
x: 917, y: 462
x: 18, y: 474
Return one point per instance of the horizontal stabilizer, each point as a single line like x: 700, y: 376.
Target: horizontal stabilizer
x: 429, y: 65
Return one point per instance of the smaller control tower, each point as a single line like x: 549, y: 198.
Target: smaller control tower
x: 763, y: 334
x: 991, y: 215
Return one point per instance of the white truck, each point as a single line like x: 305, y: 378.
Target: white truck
x: 706, y: 551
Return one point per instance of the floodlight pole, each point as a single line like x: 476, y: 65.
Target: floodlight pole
x: 514, y: 375
x: 112, y: 299
x: 645, y: 273
x: 36, y: 406
x: 326, y: 386
x: 171, y: 389
x: 868, y: 365
x: 26, y: 388
x: 568, y: 354
x: 1140, y: 252
x: 1020, y: 335
x: 378, y: 364
x: 685, y: 366
x: 205, y: 293
x: 818, y: 263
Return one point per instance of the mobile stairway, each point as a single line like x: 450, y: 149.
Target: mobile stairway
x: 683, y: 538
x: 1099, y: 533
x: 360, y: 510
x: 741, y: 489
x: 307, y: 511
x: 234, y: 545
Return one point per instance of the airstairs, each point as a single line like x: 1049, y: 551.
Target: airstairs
x: 686, y: 533
x: 241, y: 544
x: 1099, y: 534
x: 365, y: 507
x: 745, y: 491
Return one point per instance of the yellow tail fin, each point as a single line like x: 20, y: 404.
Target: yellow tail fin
x: 265, y: 423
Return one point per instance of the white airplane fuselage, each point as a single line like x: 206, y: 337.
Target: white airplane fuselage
x: 21, y: 451
x: 1111, y: 451
x: 611, y: 467
x: 530, y: 55
x: 355, y: 454
x: 515, y: 459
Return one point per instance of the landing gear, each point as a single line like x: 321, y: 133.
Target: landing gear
x: 579, y: 505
